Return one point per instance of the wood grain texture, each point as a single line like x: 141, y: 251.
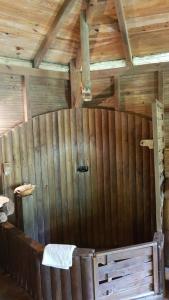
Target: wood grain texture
x: 21, y: 37
x: 43, y: 282
x: 43, y: 95
x: 11, y: 102
x: 127, y: 272
x: 108, y: 206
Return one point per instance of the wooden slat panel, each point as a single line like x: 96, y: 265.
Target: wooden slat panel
x: 63, y: 177
x: 44, y: 170
x: 47, y: 94
x: 38, y: 176
x: 11, y: 102
x: 103, y: 207
x: 139, y: 180
x: 120, y: 273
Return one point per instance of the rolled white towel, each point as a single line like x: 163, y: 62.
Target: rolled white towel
x: 58, y: 256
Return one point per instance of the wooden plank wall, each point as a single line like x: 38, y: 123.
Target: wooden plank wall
x: 113, y: 204
x: 11, y: 101
x: 137, y: 92
x: 47, y: 94
x: 44, y: 95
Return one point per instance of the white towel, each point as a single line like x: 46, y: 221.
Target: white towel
x: 58, y: 256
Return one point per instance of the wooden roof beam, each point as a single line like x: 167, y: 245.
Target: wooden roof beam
x: 56, y: 25
x: 123, y: 29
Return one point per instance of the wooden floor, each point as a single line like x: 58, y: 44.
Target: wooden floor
x: 9, y: 290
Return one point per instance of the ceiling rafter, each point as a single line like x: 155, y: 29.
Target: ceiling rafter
x: 124, y: 31
x: 56, y: 25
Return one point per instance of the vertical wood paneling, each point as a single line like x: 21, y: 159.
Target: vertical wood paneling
x: 81, y: 176
x: 8, y: 167
x: 119, y: 182
x: 139, y: 180
x: 76, y: 201
x: 62, y: 154
x: 69, y: 175
x: 106, y: 177
x: 125, y: 158
x: 44, y: 170
x: 132, y: 177
x: 100, y: 182
x: 146, y: 185
x: 113, y: 177
x: 56, y: 164
x: 31, y: 170
x: 111, y: 205
x: 38, y: 176
x: 24, y: 148
x: 93, y: 166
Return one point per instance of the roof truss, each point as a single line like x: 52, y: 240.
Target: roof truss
x: 123, y: 29
x: 51, y: 35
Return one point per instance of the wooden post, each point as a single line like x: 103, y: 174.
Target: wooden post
x: 75, y: 83
x: 161, y: 86
x: 27, y: 105
x: 158, y: 137
x: 85, y: 53
x: 159, y: 238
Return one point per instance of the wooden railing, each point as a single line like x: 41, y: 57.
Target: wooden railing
x: 21, y: 257
x: 124, y: 273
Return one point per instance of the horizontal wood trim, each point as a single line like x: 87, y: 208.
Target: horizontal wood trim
x: 18, y: 70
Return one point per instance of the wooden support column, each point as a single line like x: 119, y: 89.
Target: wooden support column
x: 75, y: 83
x: 158, y: 137
x: 161, y: 86
x: 26, y: 99
x: 85, y: 55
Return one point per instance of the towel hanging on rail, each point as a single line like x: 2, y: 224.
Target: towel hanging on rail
x: 58, y: 256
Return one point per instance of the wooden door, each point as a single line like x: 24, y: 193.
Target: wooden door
x: 94, y: 182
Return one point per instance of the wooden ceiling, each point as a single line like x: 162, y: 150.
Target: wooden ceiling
x: 25, y: 24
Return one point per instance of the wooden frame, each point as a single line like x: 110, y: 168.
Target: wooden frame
x: 158, y: 137
x: 123, y: 30
x: 130, y: 272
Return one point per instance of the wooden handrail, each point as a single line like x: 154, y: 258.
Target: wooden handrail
x: 21, y: 257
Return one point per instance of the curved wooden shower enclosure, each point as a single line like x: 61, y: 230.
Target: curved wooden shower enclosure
x: 94, y: 182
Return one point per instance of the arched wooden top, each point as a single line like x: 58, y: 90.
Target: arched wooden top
x: 111, y: 204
